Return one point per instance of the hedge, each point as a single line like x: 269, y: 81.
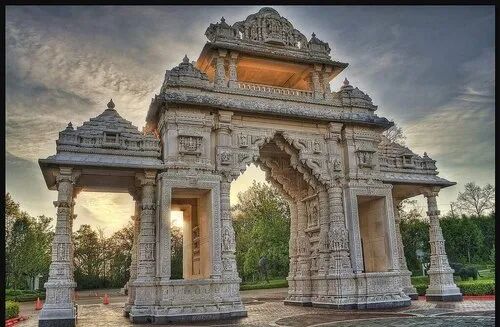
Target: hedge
x: 23, y: 295
x: 471, y: 287
x: 11, y: 309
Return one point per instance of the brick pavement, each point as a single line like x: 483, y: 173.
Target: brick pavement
x: 265, y: 308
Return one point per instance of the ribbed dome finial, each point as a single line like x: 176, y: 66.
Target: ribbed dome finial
x: 111, y: 104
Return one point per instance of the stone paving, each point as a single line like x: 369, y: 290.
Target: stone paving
x: 266, y: 308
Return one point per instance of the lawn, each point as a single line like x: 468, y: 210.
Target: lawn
x: 274, y: 283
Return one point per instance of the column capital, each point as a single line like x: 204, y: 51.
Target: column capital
x: 233, y: 54
x: 67, y: 174
x: 146, y: 178
x: 431, y: 191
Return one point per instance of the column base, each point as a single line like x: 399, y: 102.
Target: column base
x: 160, y: 319
x: 57, y: 323
x: 443, y: 294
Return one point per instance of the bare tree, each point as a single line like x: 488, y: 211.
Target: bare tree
x: 476, y: 200
x: 395, y: 134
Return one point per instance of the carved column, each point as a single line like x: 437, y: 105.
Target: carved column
x: 292, y: 243
x: 147, y: 236
x: 229, y: 270
x: 340, y: 262
x: 303, y: 275
x: 136, y: 218
x: 326, y: 83
x: 59, y: 302
x: 408, y: 288
x: 324, y: 225
x: 233, y: 74
x: 164, y: 233
x: 220, y: 69
x: 441, y: 286
x: 316, y: 84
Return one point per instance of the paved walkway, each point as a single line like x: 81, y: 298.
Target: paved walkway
x: 266, y: 308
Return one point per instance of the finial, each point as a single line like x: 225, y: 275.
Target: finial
x: 346, y: 81
x: 425, y: 154
x: 70, y: 126
x: 111, y: 104
x: 222, y: 19
x: 186, y: 59
x: 313, y: 35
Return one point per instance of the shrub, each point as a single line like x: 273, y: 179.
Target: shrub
x: 23, y: 295
x: 472, y: 287
x: 477, y: 287
x: 11, y: 309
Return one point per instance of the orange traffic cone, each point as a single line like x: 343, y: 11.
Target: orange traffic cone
x: 106, y: 299
x: 38, y: 304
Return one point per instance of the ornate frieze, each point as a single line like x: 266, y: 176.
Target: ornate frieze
x: 190, y: 144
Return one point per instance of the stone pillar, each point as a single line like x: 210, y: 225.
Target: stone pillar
x: 326, y: 83
x: 220, y: 69
x: 233, y: 73
x: 316, y: 84
x: 340, y: 262
x: 136, y: 218
x: 324, y: 241
x: 146, y: 261
x: 292, y: 243
x: 303, y: 275
x: 59, y: 309
x: 164, y: 239
x: 441, y: 286
x: 408, y: 288
x: 229, y: 270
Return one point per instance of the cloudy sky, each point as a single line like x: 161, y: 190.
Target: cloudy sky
x: 431, y: 69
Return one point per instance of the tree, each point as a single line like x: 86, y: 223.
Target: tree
x: 119, y: 255
x: 28, y: 245
x: 463, y: 239
x: 176, y: 254
x: 475, y: 200
x: 395, y: 134
x: 262, y: 228
x: 415, y: 235
x: 89, y: 257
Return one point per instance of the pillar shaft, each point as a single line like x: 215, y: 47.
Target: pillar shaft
x: 59, y: 301
x: 233, y: 73
x: 324, y: 241
x: 147, y: 237
x: 292, y: 243
x: 441, y: 286
x: 340, y: 262
x: 228, y: 241
x: 220, y: 69
x: 408, y: 288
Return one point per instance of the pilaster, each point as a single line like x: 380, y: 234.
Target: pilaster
x: 441, y: 285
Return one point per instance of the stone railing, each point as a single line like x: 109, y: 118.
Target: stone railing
x: 283, y: 91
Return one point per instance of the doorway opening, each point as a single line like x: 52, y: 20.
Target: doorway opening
x: 373, y: 229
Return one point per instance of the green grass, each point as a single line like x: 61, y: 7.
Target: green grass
x: 274, y: 283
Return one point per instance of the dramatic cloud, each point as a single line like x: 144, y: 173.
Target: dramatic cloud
x: 431, y: 69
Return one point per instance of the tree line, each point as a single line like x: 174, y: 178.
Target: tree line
x: 262, y: 229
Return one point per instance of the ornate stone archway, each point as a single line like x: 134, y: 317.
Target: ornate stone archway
x: 258, y: 93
